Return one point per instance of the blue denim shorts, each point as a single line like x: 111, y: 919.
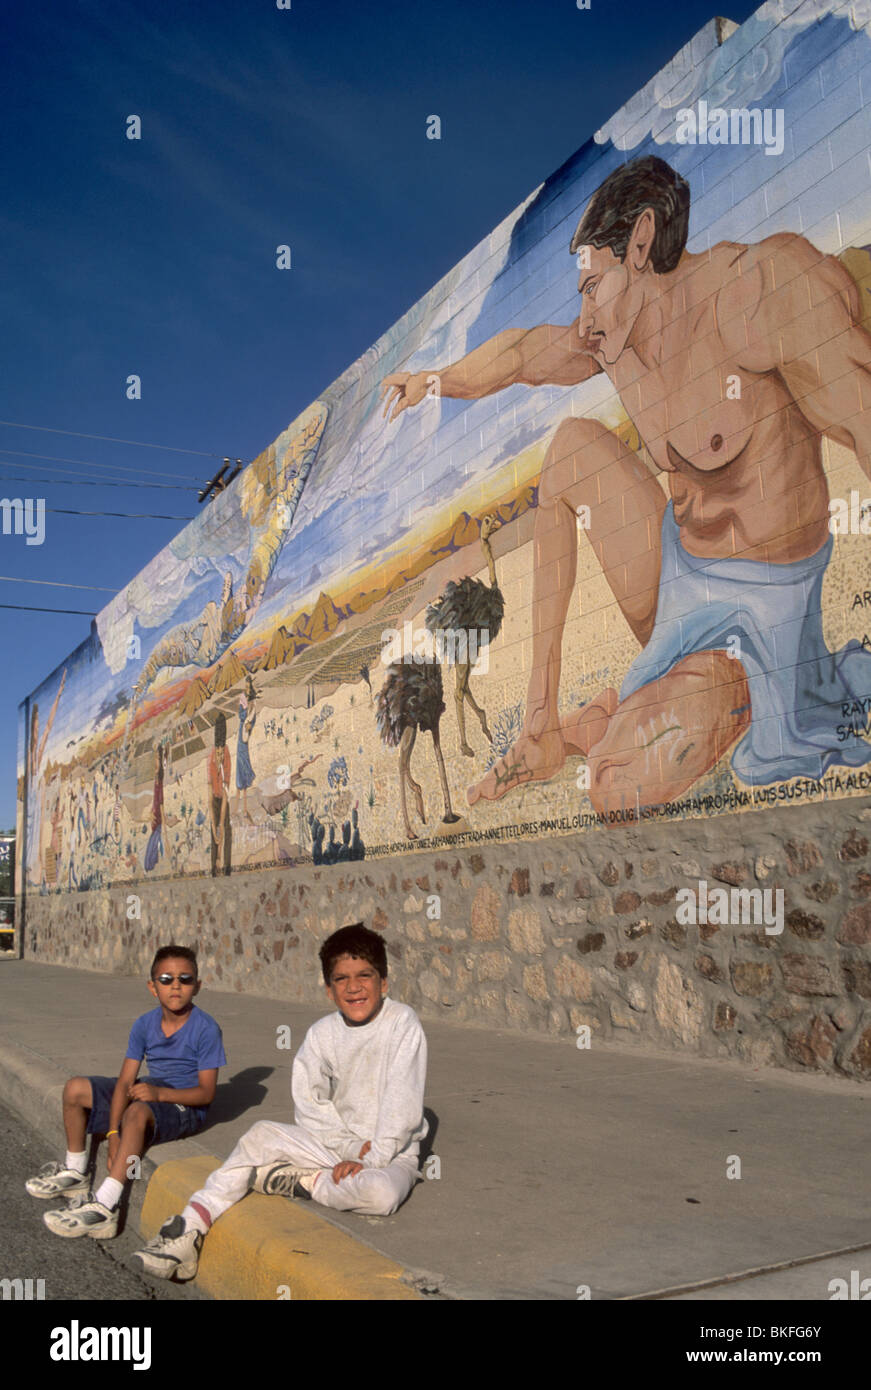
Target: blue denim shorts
x: 171, y: 1121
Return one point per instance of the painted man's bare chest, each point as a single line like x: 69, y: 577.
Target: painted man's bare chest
x: 694, y: 407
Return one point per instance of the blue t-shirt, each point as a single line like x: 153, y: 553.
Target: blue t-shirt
x: 177, y: 1061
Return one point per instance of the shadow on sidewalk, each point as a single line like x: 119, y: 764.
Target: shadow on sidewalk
x: 244, y: 1091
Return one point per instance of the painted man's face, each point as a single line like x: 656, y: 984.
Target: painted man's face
x: 612, y: 301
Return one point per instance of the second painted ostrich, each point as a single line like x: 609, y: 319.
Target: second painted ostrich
x: 411, y: 698
x: 468, y: 606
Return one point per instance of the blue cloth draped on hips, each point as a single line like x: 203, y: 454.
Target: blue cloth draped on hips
x: 153, y: 850
x: 797, y: 686
x: 244, y: 770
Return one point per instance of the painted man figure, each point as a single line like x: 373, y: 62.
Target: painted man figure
x: 732, y: 364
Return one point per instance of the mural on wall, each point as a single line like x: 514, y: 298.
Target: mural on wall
x: 584, y: 531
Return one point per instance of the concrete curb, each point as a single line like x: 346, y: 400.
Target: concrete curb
x: 260, y: 1248
x: 264, y: 1248
x: 33, y: 1087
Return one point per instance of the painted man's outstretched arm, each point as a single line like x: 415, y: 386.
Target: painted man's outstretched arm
x: 549, y: 355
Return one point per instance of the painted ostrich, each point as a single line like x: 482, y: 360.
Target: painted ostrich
x: 468, y: 606
x: 411, y: 698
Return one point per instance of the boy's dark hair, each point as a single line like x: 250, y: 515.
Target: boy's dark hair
x: 220, y: 730
x: 179, y: 953
x: 355, y: 940
x: 617, y: 204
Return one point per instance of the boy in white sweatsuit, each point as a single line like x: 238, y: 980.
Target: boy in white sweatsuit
x: 358, y: 1083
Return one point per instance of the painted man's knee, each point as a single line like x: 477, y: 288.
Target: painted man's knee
x: 570, y: 458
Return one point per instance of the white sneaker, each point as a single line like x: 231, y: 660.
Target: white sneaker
x: 173, y: 1253
x: 84, y: 1218
x: 282, y: 1180
x: 54, y: 1180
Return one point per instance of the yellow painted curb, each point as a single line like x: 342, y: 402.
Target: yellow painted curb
x: 270, y: 1248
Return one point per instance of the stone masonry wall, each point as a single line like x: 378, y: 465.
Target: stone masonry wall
x: 547, y: 937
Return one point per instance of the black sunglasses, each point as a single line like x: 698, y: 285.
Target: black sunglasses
x: 184, y: 979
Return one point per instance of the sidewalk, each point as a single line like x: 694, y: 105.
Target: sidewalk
x: 558, y: 1167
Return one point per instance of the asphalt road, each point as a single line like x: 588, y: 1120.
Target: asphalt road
x: 81, y: 1269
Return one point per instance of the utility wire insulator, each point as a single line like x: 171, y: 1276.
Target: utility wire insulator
x: 217, y: 484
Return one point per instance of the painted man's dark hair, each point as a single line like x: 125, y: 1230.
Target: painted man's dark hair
x: 617, y: 204
x: 178, y: 953
x: 220, y: 730
x: 357, y: 941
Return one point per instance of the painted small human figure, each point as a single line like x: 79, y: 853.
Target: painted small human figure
x: 53, y: 850
x: 245, y: 775
x: 218, y: 782
x: 154, y: 848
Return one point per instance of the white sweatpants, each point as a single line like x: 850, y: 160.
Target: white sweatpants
x: 374, y: 1191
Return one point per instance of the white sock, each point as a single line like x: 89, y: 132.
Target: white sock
x: 308, y: 1181
x: 77, y: 1163
x: 109, y: 1192
x: 193, y: 1221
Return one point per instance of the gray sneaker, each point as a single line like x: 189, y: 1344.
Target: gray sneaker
x: 173, y: 1253
x: 54, y: 1180
x: 281, y: 1180
x: 84, y: 1216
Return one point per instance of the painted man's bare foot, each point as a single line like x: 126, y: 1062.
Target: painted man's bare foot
x: 528, y: 760
x: 583, y: 728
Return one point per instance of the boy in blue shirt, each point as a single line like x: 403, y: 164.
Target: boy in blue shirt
x: 183, y: 1050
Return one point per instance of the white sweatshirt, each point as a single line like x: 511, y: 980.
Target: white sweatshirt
x: 352, y: 1084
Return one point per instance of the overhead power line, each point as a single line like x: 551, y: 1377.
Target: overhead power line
x: 92, y: 463
x: 56, y: 584
x: 23, y: 608
x: 92, y: 482
x: 109, y: 439
x: 89, y: 463
x: 132, y: 516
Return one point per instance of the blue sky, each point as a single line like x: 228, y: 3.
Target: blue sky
x: 157, y: 256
